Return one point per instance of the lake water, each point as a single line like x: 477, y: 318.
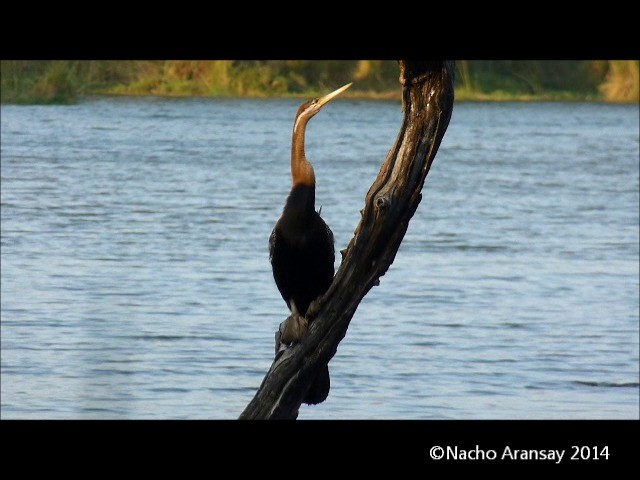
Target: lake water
x: 136, y: 282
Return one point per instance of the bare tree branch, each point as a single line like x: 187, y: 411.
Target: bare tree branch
x: 390, y: 203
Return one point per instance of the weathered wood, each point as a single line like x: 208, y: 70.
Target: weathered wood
x: 390, y: 203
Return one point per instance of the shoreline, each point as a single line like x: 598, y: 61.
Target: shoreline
x: 460, y: 96
x: 70, y: 81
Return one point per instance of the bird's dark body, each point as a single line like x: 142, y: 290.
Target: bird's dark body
x: 301, y: 250
x: 302, y: 255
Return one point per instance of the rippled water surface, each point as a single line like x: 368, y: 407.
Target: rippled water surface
x: 136, y: 282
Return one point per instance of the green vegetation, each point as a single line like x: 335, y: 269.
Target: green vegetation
x: 50, y: 81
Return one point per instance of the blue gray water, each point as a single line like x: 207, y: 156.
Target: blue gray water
x: 136, y: 283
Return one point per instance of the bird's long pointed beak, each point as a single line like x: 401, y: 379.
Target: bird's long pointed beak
x: 327, y: 98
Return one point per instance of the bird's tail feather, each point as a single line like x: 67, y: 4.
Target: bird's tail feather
x: 319, y: 389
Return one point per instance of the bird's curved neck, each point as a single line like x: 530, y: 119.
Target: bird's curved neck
x: 301, y: 170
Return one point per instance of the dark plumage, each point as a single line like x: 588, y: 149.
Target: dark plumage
x: 301, y: 250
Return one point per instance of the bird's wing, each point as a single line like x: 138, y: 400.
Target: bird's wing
x: 330, y: 235
x: 272, y: 244
x: 331, y: 242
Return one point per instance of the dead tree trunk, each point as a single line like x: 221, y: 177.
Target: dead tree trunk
x: 427, y: 97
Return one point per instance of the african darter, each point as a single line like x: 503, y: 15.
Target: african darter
x: 301, y: 244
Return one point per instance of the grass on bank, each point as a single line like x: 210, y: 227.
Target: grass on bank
x: 67, y: 81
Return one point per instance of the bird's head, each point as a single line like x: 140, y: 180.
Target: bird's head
x: 309, y: 108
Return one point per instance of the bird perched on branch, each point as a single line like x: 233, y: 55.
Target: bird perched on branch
x: 301, y: 247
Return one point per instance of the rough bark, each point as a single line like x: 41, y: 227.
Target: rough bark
x: 390, y: 203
